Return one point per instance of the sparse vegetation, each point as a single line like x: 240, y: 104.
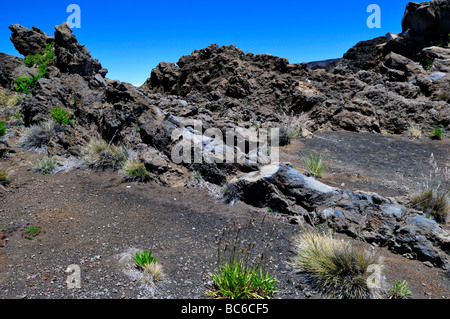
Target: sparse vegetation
x: 101, y: 155
x: 400, y: 290
x: 241, y: 273
x: 428, y: 64
x: 443, y: 96
x: 436, y: 134
x: 24, y: 83
x: 3, y: 128
x: 4, y: 175
x: 60, y: 116
x: 414, y: 132
x: 314, y: 164
x: 32, y: 232
x: 147, y: 263
x: 433, y: 198
x: 335, y: 268
x: 292, y: 126
x: 134, y: 170
x: 230, y: 194
x: 45, y: 165
x: 37, y: 137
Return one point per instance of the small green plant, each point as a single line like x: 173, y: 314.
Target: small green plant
x: 3, y: 128
x: 241, y: 272
x: 436, y: 134
x: 60, y: 116
x: 400, y: 290
x: 148, y: 264
x: 144, y: 258
x: 32, y: 232
x: 134, y: 170
x: 45, y: 166
x: 136, y: 127
x: 269, y: 210
x: 428, y: 64
x: 335, y: 268
x: 314, y: 164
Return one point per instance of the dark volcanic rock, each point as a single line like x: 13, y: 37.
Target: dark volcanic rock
x: 29, y: 41
x: 72, y: 57
x: 367, y: 216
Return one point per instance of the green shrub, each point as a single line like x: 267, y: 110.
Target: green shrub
x: 101, y: 155
x: 60, y: 116
x: 314, y: 164
x: 335, y: 268
x: 436, y: 134
x: 241, y: 271
x: 24, y: 83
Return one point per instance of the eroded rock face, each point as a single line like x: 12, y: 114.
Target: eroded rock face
x: 364, y: 91
x: 29, y: 41
x: 73, y: 58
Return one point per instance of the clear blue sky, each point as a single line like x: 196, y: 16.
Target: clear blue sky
x: 131, y: 37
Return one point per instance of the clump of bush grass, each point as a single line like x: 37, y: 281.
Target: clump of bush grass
x: 146, y: 262
x: 45, y: 165
x: 37, y: 137
x: 400, y: 290
x: 433, y: 198
x: 103, y: 155
x: 134, y: 170
x: 4, y: 175
x: 292, y: 126
x: 414, y: 132
x: 335, y: 268
x: 314, y: 164
x: 24, y: 83
x: 241, y: 271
